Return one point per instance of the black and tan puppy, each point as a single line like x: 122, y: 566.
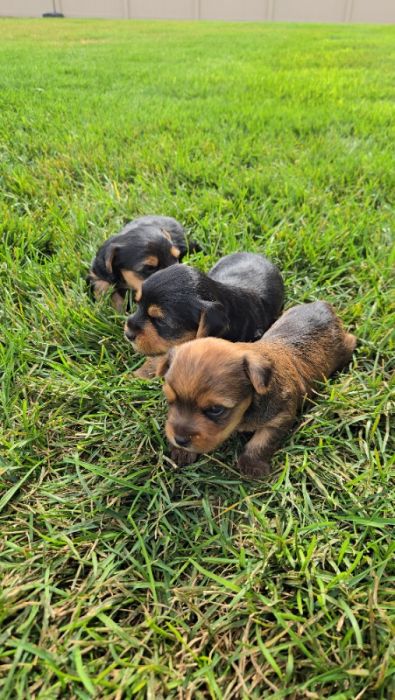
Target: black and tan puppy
x: 144, y: 246
x: 239, y: 299
x: 215, y: 387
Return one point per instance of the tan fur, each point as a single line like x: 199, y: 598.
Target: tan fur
x: 148, y: 369
x: 149, y: 342
x: 169, y: 393
x: 254, y: 462
x: 202, y: 330
x: 151, y: 260
x: 133, y: 280
x: 163, y: 365
x: 206, y: 435
x: 175, y: 251
x: 117, y: 301
x: 259, y: 371
x: 190, y: 380
x: 270, y: 378
x: 109, y: 257
x: 100, y: 287
x: 155, y: 311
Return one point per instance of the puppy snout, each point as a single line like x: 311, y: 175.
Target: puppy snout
x: 182, y: 434
x: 130, y: 335
x: 131, y: 329
x: 182, y: 440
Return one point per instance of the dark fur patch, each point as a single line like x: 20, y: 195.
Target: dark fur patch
x: 238, y: 303
x: 143, y: 247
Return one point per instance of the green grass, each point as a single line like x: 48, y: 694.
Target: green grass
x: 122, y: 576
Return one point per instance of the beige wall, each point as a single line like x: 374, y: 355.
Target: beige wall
x: 309, y: 11
x: 161, y: 9
x: 382, y: 11
x: 110, y: 9
x: 371, y: 11
x: 23, y: 8
x: 234, y: 10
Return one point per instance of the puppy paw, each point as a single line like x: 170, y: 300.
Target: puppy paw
x: 253, y: 467
x: 181, y: 457
x: 148, y: 369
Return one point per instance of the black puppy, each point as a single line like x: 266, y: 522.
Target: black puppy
x: 238, y: 300
x: 144, y: 246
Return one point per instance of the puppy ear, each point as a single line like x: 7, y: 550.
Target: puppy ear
x: 213, y: 320
x: 112, y: 249
x: 259, y: 371
x: 164, y: 363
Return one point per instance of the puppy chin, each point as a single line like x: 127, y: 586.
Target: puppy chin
x: 193, y: 447
x: 170, y: 437
x: 147, y: 350
x: 207, y: 444
x: 132, y: 343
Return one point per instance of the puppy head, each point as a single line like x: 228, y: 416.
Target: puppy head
x: 146, y: 250
x: 171, y: 312
x: 129, y: 258
x: 209, y: 385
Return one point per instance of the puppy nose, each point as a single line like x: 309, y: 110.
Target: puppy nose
x: 130, y: 329
x: 182, y: 441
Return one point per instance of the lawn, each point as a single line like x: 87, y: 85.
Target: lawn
x: 122, y: 575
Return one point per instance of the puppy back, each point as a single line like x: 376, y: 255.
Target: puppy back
x: 314, y: 335
x: 253, y: 273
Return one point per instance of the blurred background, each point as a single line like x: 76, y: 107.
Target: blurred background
x: 377, y: 11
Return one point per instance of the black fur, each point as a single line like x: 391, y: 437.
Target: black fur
x: 240, y: 298
x: 303, y: 323
x: 128, y: 249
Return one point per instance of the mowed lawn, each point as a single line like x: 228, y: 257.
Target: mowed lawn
x: 123, y: 576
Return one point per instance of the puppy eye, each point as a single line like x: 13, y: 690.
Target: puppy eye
x: 214, y: 411
x: 158, y: 321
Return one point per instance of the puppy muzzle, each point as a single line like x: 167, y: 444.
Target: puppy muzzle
x: 131, y: 329
x: 182, y: 440
x: 181, y: 437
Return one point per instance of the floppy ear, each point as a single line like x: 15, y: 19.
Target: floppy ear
x: 164, y: 362
x: 213, y: 320
x: 259, y: 372
x: 112, y: 249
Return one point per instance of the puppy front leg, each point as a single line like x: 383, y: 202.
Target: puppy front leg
x: 254, y: 462
x: 117, y: 300
x: 148, y: 369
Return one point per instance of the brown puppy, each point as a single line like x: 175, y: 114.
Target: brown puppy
x: 215, y: 387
